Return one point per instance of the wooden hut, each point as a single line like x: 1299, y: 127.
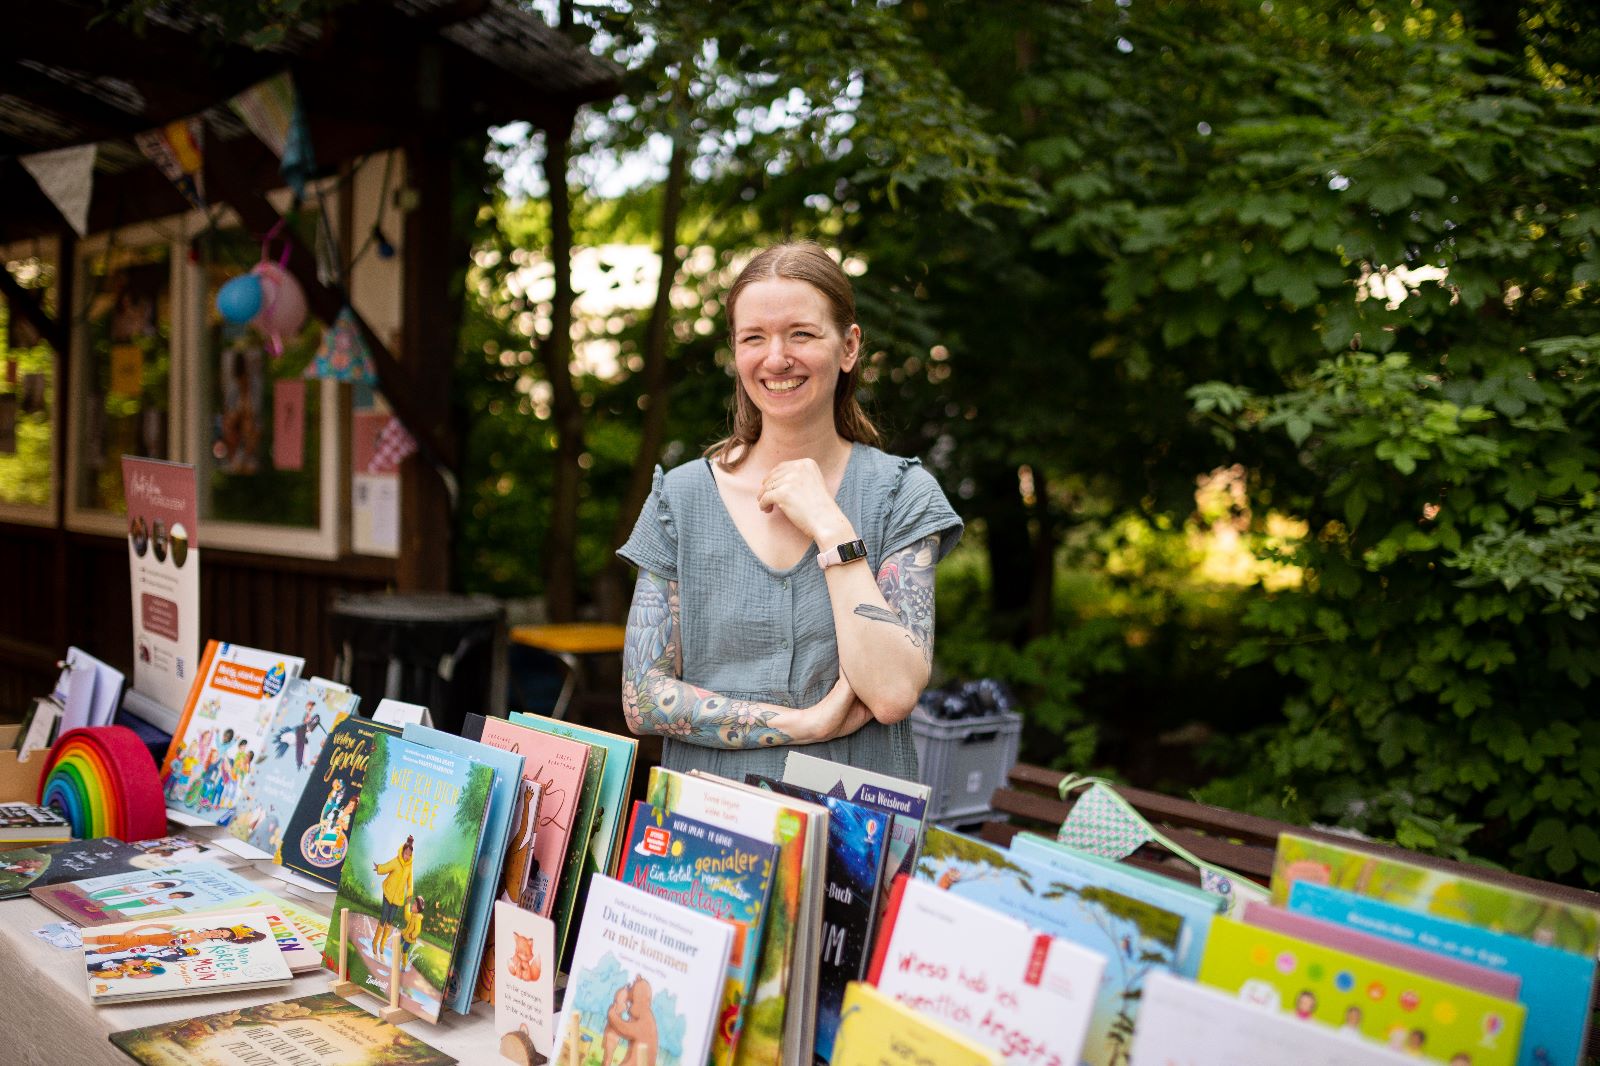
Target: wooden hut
x: 293, y: 506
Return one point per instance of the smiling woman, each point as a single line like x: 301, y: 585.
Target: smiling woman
x: 785, y: 591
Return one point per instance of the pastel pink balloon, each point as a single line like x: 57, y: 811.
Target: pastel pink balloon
x: 283, y: 305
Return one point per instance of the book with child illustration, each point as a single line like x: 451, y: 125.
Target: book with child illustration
x: 72, y: 860
x: 414, y: 846
x: 222, y: 951
x: 317, y: 835
x: 306, y: 718
x: 164, y: 892
x: 235, y: 697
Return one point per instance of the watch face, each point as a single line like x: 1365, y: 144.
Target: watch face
x: 854, y: 550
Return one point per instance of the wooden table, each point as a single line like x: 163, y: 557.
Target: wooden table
x: 569, y: 642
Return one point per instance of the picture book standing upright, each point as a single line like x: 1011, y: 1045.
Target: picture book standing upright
x: 317, y: 835
x: 646, y: 981
x: 1135, y: 938
x: 564, y: 771
x: 485, y: 882
x: 413, y: 850
x: 236, y: 695
x: 310, y: 711
x: 907, y: 801
x: 857, y: 836
x: 716, y: 871
x: 611, y: 814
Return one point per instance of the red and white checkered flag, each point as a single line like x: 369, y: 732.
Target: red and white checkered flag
x: 394, y: 445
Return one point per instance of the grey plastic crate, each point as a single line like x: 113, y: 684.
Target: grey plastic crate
x: 963, y: 761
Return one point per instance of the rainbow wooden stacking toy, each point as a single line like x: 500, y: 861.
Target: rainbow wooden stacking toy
x: 103, y: 781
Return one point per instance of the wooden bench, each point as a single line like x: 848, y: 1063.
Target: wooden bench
x: 1240, y: 843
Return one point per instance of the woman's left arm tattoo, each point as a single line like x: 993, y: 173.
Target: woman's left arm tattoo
x: 906, y: 581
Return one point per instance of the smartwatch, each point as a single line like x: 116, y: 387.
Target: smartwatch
x: 848, y: 552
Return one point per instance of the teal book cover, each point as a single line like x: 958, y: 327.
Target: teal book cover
x: 282, y: 768
x: 318, y: 833
x: 1136, y: 938
x: 413, y: 850
x: 717, y: 872
x: 507, y: 767
x: 1196, y: 906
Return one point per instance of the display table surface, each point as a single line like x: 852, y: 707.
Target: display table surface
x: 46, y: 1018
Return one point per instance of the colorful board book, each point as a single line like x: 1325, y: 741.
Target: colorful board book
x: 646, y: 973
x: 1418, y: 960
x: 1194, y: 905
x: 715, y: 871
x: 485, y: 883
x: 874, y: 1030
x: 1410, y: 1012
x: 1026, y: 994
x: 857, y: 853
x: 1444, y: 894
x: 1184, y: 1023
x: 323, y: 1029
x: 1556, y: 985
x: 224, y: 951
x: 235, y: 697
x: 73, y: 860
x: 161, y: 893
x: 622, y: 755
x: 907, y: 801
x: 317, y: 836
x: 1135, y: 937
x: 765, y: 1038
x: 306, y: 718
x: 413, y: 851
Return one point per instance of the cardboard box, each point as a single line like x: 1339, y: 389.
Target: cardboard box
x: 19, y: 774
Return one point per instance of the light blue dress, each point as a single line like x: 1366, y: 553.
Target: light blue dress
x: 755, y: 633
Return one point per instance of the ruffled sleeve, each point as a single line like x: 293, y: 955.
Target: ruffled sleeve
x: 918, y: 508
x: 653, y: 544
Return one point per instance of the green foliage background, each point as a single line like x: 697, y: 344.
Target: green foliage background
x: 1345, y: 249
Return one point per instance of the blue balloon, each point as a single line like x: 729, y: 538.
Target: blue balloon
x: 240, y: 299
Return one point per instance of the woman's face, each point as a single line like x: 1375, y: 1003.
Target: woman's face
x: 788, y: 352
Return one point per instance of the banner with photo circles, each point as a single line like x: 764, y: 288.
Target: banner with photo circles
x: 164, y: 565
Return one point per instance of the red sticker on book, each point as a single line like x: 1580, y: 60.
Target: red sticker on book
x: 1036, y: 957
x: 656, y: 840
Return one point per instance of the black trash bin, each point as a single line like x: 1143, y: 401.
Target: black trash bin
x: 436, y: 649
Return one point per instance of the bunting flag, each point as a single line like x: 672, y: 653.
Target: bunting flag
x: 343, y: 354
x: 394, y: 446
x: 176, y: 151
x: 66, y: 176
x: 274, y: 112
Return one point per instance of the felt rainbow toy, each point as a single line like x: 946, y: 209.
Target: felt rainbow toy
x: 103, y: 781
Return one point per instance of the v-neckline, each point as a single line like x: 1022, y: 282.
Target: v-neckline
x: 811, y: 550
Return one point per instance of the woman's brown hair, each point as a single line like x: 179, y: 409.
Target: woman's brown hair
x: 796, y: 261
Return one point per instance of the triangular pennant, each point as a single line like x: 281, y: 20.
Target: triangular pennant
x: 343, y: 354
x: 177, y: 151
x: 395, y: 444
x: 267, y: 108
x: 66, y: 175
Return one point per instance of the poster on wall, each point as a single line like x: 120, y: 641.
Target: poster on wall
x: 164, y: 563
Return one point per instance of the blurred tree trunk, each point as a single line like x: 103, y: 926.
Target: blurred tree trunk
x: 653, y: 428
x: 555, y: 356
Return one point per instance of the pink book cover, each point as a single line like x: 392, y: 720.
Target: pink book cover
x: 557, y: 764
x: 1378, y: 949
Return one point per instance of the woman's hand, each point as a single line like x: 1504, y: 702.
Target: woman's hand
x: 838, y: 714
x: 798, y: 489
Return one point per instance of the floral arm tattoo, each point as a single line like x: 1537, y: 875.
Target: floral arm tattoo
x: 656, y: 701
x: 906, y: 581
